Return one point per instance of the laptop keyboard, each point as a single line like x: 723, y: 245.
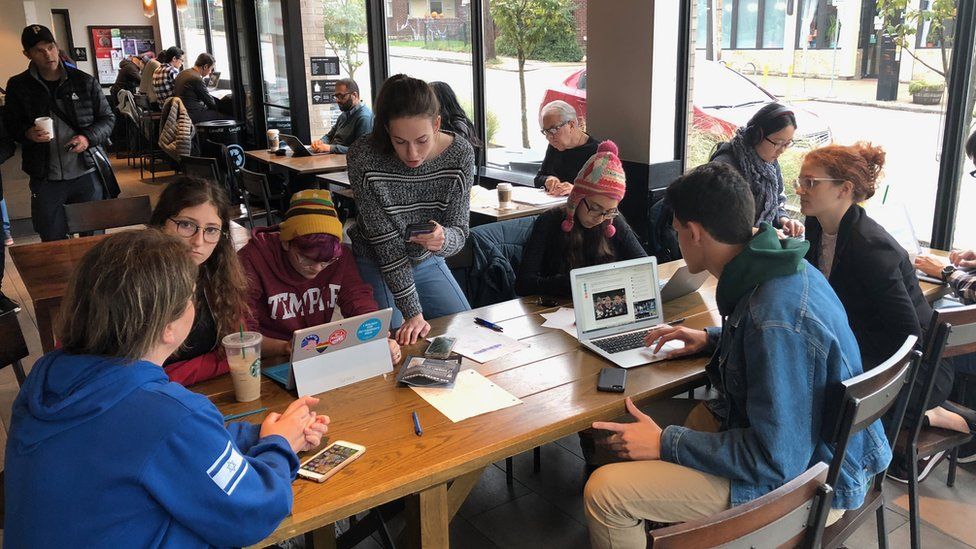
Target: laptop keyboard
x: 620, y: 343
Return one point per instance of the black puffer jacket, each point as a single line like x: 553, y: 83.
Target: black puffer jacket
x: 80, y: 97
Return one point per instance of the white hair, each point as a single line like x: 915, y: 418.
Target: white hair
x: 565, y: 111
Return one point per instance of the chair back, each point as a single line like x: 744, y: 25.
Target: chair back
x: 13, y: 349
x: 202, y: 167
x: 255, y: 185
x: 107, y: 214
x: 783, y: 517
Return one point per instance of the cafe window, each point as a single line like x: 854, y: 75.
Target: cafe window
x: 746, y: 24
x: 931, y: 33
x: 202, y: 29
x: 774, y: 24
x: 817, y: 24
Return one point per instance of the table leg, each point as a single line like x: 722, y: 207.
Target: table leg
x: 429, y: 513
x: 322, y: 538
x: 434, y: 518
x: 459, y: 490
x: 45, y: 325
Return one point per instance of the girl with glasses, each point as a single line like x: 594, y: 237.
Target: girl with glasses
x: 587, y: 231
x: 754, y: 151
x: 199, y: 213
x: 569, y: 148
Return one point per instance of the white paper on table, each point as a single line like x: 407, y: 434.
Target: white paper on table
x: 564, y: 319
x: 482, y: 344
x: 483, y: 198
x: 473, y: 394
x: 535, y: 197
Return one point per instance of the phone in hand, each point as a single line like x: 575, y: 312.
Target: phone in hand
x: 441, y: 347
x: 417, y: 229
x: 612, y: 380
x: 328, y: 462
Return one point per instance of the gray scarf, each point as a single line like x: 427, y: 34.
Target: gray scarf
x: 762, y: 177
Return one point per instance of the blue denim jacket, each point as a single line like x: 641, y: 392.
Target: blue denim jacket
x: 784, y: 343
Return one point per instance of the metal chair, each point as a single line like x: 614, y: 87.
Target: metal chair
x: 783, y: 517
x: 14, y: 348
x: 255, y: 187
x: 202, y: 167
x: 107, y: 214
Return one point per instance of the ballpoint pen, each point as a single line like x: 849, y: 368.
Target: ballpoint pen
x: 416, y: 425
x: 487, y: 324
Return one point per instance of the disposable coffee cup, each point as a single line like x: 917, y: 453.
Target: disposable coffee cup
x: 46, y: 123
x: 273, y: 140
x: 244, y: 359
x: 504, y: 195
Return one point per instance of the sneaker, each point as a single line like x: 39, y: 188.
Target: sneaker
x: 8, y: 240
x: 7, y: 305
x: 899, y: 473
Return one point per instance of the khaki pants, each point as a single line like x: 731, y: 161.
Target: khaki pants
x: 620, y: 496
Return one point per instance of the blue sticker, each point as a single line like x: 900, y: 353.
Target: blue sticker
x: 310, y: 339
x: 369, y: 329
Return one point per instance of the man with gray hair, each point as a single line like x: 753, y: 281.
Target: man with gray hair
x: 569, y: 148
x: 356, y: 120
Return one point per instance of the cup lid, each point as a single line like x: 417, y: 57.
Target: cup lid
x: 236, y: 341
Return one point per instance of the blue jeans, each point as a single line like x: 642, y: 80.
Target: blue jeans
x: 5, y: 217
x: 439, y: 292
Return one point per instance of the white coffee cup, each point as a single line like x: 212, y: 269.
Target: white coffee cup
x: 46, y: 123
x: 273, y: 140
x: 504, y: 195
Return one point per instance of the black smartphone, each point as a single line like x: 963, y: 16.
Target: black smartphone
x: 415, y: 229
x: 612, y: 380
x: 547, y: 301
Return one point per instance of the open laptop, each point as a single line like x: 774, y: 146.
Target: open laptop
x: 336, y: 354
x: 681, y: 283
x: 616, y: 304
x: 297, y: 147
x: 895, y: 220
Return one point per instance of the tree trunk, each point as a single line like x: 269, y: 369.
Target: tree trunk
x: 490, y: 32
x: 525, y: 121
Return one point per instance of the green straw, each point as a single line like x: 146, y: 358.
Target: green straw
x: 242, y: 342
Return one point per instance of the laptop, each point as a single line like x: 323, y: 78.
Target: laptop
x: 336, y: 354
x: 895, y: 220
x: 616, y: 304
x: 681, y: 283
x: 297, y: 147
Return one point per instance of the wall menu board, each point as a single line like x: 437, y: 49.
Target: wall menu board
x: 113, y: 44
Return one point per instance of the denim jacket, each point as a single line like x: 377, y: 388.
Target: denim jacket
x: 783, y: 344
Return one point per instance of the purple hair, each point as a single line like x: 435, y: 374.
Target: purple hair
x: 318, y: 246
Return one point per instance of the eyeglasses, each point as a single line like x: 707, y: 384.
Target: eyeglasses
x: 553, y: 129
x: 808, y: 183
x: 341, y: 96
x: 781, y: 144
x: 306, y: 262
x: 596, y: 212
x: 189, y: 229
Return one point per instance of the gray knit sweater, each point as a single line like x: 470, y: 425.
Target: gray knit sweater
x: 390, y: 195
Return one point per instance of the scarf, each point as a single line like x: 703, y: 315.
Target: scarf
x: 762, y: 177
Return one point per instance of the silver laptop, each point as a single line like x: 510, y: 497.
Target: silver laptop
x: 336, y: 354
x: 297, y: 147
x: 616, y: 304
x: 681, y: 283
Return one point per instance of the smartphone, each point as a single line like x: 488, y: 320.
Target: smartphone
x: 328, y: 462
x: 415, y: 229
x: 612, y: 380
x: 548, y: 301
x: 441, y: 347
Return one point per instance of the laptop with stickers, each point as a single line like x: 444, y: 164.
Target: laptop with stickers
x: 336, y: 354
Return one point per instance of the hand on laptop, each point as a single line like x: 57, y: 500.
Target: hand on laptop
x: 411, y: 330
x: 638, y: 440
x: 964, y: 260
x: 320, y: 147
x: 929, y: 265
x: 275, y: 347
x: 695, y: 340
x: 394, y: 350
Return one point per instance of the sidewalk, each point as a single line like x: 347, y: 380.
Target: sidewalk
x: 507, y: 64
x: 846, y: 92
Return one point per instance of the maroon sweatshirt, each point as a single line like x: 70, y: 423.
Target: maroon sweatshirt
x: 283, y: 301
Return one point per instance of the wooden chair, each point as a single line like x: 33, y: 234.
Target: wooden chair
x: 107, y: 214
x: 255, y: 187
x: 862, y: 400
x: 952, y: 333
x: 202, y: 167
x: 14, y: 348
x: 782, y: 517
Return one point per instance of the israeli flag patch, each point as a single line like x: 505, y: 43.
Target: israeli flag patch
x: 228, y: 469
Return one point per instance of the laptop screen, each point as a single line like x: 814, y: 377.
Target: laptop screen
x: 612, y: 297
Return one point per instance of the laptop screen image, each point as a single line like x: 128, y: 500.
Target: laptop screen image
x: 621, y: 296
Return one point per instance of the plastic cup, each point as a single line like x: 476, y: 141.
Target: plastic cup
x: 244, y: 360
x: 504, y: 195
x: 273, y: 140
x: 46, y: 123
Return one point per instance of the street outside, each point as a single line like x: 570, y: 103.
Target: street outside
x: 911, y: 138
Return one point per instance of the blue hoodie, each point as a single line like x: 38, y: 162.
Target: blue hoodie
x: 104, y: 453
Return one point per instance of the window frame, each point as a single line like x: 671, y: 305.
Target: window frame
x: 733, y: 7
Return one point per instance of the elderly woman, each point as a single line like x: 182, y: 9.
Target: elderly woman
x: 569, y: 148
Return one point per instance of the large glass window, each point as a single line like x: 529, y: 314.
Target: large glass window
x: 964, y: 236
x: 218, y: 37
x: 818, y: 24
x: 727, y: 26
x: 774, y: 23
x: 748, y: 33
x: 200, y: 22
x: 271, y: 39
x: 701, y: 22
x: 747, y: 22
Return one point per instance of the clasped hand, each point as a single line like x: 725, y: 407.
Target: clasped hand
x: 298, y: 424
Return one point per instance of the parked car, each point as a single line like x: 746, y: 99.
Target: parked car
x: 723, y: 101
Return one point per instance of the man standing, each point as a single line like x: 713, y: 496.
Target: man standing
x: 784, y: 340
x: 356, y: 120
x: 53, y: 150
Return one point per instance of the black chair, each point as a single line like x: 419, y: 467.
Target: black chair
x: 781, y: 518
x: 255, y: 187
x: 859, y: 402
x: 952, y: 333
x: 202, y: 167
x: 13, y: 350
x: 107, y: 214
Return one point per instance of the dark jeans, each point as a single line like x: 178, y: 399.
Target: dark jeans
x: 49, y: 197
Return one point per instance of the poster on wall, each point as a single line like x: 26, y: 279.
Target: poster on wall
x: 110, y: 45
x: 322, y: 91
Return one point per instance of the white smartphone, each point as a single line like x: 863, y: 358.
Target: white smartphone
x: 328, y: 462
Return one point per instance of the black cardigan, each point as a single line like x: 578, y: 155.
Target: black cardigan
x: 876, y: 283
x: 565, y: 164
x: 543, y: 267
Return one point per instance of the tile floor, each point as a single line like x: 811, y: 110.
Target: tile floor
x: 545, y: 509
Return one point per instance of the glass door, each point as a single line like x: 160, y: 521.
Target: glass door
x: 274, y: 99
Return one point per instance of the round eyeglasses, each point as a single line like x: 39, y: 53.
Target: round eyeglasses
x: 189, y: 229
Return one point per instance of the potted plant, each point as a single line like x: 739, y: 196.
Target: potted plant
x: 926, y: 92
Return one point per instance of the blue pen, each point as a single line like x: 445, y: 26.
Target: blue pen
x: 486, y: 324
x: 416, y: 425
x: 230, y: 417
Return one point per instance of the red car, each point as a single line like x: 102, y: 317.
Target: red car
x: 724, y: 100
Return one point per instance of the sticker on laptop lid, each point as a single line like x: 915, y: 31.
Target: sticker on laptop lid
x: 369, y: 329
x: 337, y: 337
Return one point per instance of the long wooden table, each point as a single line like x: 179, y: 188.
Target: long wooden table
x: 301, y: 165
x: 554, y: 377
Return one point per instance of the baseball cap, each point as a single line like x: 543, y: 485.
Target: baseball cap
x: 34, y: 34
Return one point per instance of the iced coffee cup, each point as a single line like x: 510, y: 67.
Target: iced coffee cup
x: 274, y: 140
x: 244, y: 359
x: 46, y: 123
x: 504, y: 195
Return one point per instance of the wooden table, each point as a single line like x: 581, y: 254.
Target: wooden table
x: 554, y: 377
x: 301, y: 165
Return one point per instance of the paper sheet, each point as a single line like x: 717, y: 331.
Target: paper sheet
x: 473, y: 394
x: 481, y: 344
x: 483, y: 198
x: 535, y: 197
x: 564, y: 319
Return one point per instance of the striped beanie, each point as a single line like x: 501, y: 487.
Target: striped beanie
x: 603, y: 175
x: 310, y: 212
